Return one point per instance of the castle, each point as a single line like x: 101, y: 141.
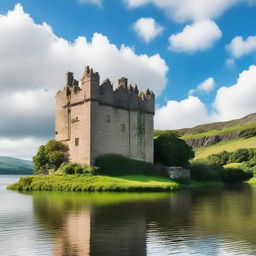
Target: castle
x: 94, y: 119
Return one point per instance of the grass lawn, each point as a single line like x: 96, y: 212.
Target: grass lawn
x: 229, y: 145
x: 95, y: 183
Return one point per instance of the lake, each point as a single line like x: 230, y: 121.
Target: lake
x: 214, y: 221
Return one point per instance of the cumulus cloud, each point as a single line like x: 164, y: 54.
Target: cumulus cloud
x: 205, y: 87
x: 239, y: 99
x: 189, y: 10
x: 147, y: 29
x: 181, y: 114
x: 230, y: 102
x: 196, y: 37
x: 34, y: 62
x: 239, y: 47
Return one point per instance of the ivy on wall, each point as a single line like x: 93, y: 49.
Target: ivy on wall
x: 141, y: 131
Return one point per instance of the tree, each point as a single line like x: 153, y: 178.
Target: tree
x: 50, y: 156
x: 170, y: 150
x: 40, y: 160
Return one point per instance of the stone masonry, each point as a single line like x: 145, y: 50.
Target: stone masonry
x: 94, y: 119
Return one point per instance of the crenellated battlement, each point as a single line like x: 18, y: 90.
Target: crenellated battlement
x: 124, y: 96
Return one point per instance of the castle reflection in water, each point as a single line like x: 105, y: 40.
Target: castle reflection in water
x: 205, y: 222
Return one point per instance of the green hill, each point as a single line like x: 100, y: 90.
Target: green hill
x: 11, y: 165
x: 214, y: 138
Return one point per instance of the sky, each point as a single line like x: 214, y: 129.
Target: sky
x: 198, y: 56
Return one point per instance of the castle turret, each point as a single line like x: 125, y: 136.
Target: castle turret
x: 90, y: 83
x: 123, y: 82
x: 70, y: 79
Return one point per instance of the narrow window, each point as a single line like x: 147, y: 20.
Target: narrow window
x: 122, y: 127
x: 76, y: 142
x: 108, y: 119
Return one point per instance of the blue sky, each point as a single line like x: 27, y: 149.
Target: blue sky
x: 188, y: 38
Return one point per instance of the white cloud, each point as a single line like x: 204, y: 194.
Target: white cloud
x: 196, y: 37
x: 97, y: 2
x: 189, y: 10
x: 239, y: 46
x: 239, y: 99
x: 33, y: 65
x: 21, y: 148
x: 181, y: 114
x: 205, y: 87
x: 230, y: 102
x: 147, y: 29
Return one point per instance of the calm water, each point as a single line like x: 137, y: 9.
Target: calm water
x: 205, y: 222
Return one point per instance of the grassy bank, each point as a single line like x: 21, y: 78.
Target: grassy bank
x: 94, y: 183
x: 228, y: 145
x: 103, y: 183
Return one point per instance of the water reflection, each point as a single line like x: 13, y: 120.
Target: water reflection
x: 208, y: 222
x: 203, y: 222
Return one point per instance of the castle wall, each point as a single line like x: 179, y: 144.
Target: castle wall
x: 120, y: 131
x: 81, y: 130
x: 94, y: 120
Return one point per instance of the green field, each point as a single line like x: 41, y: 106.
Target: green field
x: 131, y: 183
x: 94, y: 183
x: 228, y: 145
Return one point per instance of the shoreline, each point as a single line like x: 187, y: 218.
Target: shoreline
x: 129, y: 183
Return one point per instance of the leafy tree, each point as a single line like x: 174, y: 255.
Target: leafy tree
x: 50, y: 156
x: 40, y: 160
x: 55, y: 159
x: 170, y: 150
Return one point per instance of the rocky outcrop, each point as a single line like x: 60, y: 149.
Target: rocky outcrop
x: 211, y: 140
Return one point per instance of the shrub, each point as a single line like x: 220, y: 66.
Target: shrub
x: 170, y: 150
x: 235, y: 175
x: 202, y: 171
x: 75, y: 168
x: 248, y: 133
x: 239, y: 156
x: 115, y: 165
x: 219, y: 159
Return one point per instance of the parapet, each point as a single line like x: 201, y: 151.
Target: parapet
x: 124, y: 96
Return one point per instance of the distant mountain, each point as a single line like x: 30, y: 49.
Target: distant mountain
x: 11, y: 165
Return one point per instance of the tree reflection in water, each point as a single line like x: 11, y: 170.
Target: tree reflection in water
x: 206, y: 222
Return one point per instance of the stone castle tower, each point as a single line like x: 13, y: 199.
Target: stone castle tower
x: 94, y: 119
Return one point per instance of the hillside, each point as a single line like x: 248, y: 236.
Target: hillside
x: 10, y: 165
x: 213, y: 138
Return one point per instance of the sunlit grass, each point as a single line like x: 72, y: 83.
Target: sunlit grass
x: 229, y: 145
x: 95, y: 183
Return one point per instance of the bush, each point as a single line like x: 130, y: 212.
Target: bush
x: 235, y: 175
x: 219, y: 159
x: 201, y: 171
x: 116, y: 165
x: 248, y: 133
x: 239, y: 156
x: 170, y: 150
x: 75, y: 168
